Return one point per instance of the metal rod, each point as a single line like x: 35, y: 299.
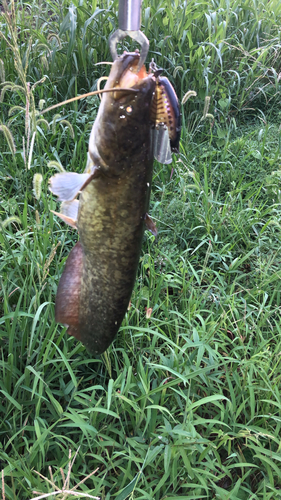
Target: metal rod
x: 130, y: 15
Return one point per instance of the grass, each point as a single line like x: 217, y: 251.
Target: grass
x: 186, y: 401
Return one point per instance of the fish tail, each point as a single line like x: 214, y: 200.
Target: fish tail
x: 68, y: 294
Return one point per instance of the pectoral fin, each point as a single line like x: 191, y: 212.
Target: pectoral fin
x: 68, y: 212
x: 150, y: 225
x: 66, y: 185
x: 68, y: 294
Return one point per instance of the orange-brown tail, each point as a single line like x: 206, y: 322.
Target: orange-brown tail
x: 67, y: 300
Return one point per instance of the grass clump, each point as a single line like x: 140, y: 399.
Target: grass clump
x: 185, y: 403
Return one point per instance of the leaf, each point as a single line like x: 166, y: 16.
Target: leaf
x: 128, y: 489
x: 11, y: 399
x: 208, y: 399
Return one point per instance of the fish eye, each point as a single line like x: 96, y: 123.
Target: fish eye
x: 129, y: 110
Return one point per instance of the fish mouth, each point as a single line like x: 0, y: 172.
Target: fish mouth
x: 125, y: 74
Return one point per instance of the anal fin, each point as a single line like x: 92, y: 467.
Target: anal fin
x: 74, y: 332
x: 68, y: 294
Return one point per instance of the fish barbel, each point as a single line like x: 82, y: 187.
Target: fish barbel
x: 98, y: 279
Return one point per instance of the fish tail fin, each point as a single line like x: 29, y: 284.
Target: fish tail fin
x: 68, y: 294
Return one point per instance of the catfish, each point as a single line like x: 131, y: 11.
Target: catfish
x: 111, y: 214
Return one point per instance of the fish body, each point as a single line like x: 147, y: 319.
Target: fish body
x: 97, y: 282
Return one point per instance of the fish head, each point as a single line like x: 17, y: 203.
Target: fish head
x: 126, y: 75
x: 123, y: 124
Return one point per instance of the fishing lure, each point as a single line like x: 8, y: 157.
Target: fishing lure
x: 165, y: 114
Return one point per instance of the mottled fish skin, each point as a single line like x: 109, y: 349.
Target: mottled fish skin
x: 112, y: 209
